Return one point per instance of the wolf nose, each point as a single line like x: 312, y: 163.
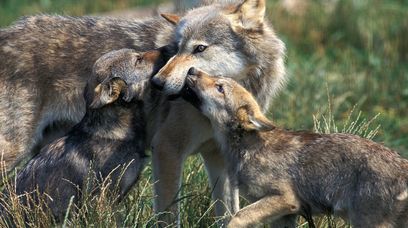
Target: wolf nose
x: 192, y: 71
x: 157, y: 83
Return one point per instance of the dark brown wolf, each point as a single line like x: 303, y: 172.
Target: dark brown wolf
x: 110, y: 139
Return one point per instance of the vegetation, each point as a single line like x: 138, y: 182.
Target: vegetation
x: 348, y: 67
x: 356, y: 51
x: 10, y: 10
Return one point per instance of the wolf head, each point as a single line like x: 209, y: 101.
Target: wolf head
x: 227, y: 40
x: 225, y: 102
x: 122, y: 72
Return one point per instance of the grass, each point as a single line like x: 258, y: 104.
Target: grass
x: 348, y: 67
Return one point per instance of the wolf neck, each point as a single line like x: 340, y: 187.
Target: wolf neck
x: 142, y: 90
x: 236, y: 142
x: 116, y: 121
x: 266, y: 74
x: 150, y: 97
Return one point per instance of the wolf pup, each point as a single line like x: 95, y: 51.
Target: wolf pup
x: 109, y: 139
x: 285, y: 172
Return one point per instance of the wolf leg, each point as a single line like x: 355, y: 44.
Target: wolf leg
x: 227, y: 199
x: 181, y: 133
x: 17, y: 139
x: 270, y: 207
x: 167, y: 169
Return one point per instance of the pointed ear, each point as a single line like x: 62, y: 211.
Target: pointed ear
x: 261, y: 123
x: 249, y: 15
x: 172, y: 18
x: 107, y: 92
x: 251, y: 120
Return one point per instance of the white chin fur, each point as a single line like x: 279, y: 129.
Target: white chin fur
x: 171, y: 89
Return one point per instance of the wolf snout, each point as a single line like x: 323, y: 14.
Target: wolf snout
x: 157, y: 83
x: 191, y: 78
x: 192, y: 71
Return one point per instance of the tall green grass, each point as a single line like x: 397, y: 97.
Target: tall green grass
x: 348, y: 68
x: 103, y: 209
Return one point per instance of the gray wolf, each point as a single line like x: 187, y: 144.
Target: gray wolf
x: 109, y: 141
x: 229, y: 40
x: 286, y: 172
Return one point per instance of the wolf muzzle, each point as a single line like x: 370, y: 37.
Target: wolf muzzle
x: 187, y: 92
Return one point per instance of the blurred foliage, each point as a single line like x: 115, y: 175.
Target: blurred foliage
x: 358, y: 50
x: 10, y: 10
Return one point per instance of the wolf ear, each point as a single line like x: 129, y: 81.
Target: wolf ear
x: 249, y: 15
x: 261, y: 123
x: 172, y: 18
x: 251, y: 120
x: 107, y: 92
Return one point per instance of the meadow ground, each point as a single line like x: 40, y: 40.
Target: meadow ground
x: 348, y: 67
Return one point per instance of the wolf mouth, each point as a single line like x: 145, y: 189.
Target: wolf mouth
x: 188, y: 94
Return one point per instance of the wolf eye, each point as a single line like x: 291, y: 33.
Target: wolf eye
x: 219, y: 88
x: 199, y: 48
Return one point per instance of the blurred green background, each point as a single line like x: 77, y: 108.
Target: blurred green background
x: 10, y: 10
x: 342, y: 55
x: 355, y: 51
